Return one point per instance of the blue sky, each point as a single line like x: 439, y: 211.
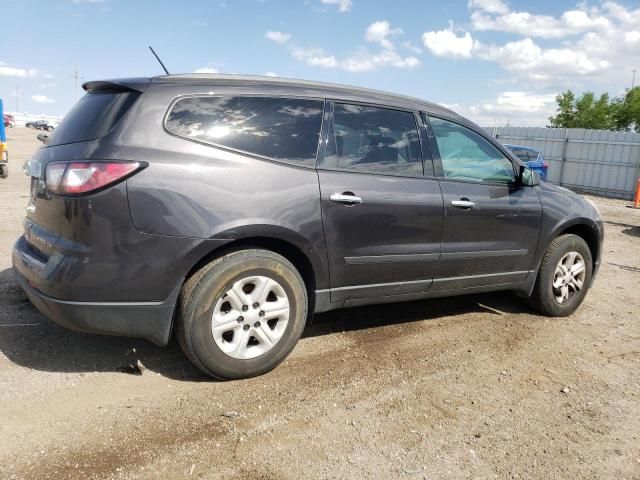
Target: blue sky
x: 492, y: 60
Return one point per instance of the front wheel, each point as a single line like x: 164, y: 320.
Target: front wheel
x: 563, y: 278
x: 242, y: 314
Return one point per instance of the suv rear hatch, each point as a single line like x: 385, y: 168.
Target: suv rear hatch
x: 76, y: 143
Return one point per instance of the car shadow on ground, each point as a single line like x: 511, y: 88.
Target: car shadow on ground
x: 30, y: 340
x: 627, y: 229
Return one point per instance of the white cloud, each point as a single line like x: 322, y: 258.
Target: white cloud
x: 6, y: 71
x: 632, y: 38
x: 445, y: 43
x: 364, y: 61
x: 514, y: 107
x: 343, y: 5
x: 526, y: 102
x: 316, y: 57
x: 527, y: 56
x: 378, y: 32
x: 490, y: 6
x: 42, y: 99
x: 571, y: 22
x: 496, y: 15
x: 205, y: 70
x: 601, y: 43
x: 278, y: 37
x: 271, y: 74
x: 410, y: 46
x: 360, y: 61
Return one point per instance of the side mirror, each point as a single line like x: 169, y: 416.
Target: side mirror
x: 43, y: 137
x: 528, y: 177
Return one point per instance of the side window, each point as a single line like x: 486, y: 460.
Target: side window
x: 373, y: 140
x: 279, y: 128
x: 521, y: 153
x: 466, y: 155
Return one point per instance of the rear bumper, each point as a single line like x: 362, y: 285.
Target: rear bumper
x: 148, y: 320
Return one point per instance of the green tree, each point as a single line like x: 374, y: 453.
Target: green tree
x: 566, y: 111
x: 627, y: 111
x: 583, y: 112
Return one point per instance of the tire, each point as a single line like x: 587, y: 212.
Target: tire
x: 211, y: 294
x: 49, y: 128
x: 545, y: 297
x: 4, y: 171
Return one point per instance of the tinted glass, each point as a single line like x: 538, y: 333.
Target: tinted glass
x: 280, y: 128
x: 466, y: 155
x: 374, y: 140
x: 520, y: 153
x: 93, y: 116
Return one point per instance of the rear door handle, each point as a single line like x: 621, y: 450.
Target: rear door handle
x: 347, y: 198
x: 464, y: 203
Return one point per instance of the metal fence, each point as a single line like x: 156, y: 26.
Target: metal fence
x: 601, y: 162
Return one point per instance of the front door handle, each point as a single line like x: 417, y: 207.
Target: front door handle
x: 347, y: 198
x: 463, y: 203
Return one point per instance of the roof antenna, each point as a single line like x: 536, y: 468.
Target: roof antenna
x: 159, y: 61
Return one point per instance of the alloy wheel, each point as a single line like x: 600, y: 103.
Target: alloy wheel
x: 568, y: 278
x: 251, y: 317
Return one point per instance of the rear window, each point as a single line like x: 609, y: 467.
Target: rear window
x: 93, y: 116
x: 279, y: 128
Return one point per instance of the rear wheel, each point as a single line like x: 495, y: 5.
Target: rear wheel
x: 242, y: 314
x: 563, y: 278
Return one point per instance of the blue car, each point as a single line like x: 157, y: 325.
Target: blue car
x: 532, y: 158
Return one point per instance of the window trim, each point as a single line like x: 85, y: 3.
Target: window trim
x: 328, y: 120
x: 178, y: 98
x: 438, y: 160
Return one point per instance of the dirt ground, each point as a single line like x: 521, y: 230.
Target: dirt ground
x: 467, y: 387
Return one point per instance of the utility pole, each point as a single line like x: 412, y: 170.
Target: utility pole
x: 77, y: 77
x: 633, y: 80
x: 17, y: 98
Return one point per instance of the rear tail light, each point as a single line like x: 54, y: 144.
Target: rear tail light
x: 77, y: 178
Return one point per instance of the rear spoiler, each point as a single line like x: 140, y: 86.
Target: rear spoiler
x: 122, y: 85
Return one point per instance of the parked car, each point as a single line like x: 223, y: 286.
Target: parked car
x: 532, y: 158
x: 9, y: 121
x: 41, y: 125
x: 228, y: 209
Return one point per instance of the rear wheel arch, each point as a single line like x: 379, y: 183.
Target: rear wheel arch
x: 288, y: 250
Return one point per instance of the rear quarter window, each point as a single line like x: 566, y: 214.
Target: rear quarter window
x: 285, y: 129
x: 93, y: 116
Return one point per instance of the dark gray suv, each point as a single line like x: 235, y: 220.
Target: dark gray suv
x: 229, y: 208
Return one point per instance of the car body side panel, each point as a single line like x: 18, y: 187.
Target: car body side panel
x: 205, y: 192
x: 493, y: 242
x: 563, y: 209
x: 99, y: 257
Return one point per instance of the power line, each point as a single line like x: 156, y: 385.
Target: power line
x: 77, y: 77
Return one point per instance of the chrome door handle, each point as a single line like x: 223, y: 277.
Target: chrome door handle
x: 462, y: 203
x: 347, y: 198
